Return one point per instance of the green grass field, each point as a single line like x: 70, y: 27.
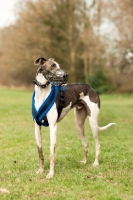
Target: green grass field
x: 112, y: 180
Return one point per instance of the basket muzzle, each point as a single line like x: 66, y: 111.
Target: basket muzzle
x: 60, y: 77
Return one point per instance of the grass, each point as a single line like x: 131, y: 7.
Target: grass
x: 112, y: 180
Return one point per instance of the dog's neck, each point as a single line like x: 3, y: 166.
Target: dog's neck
x: 41, y: 93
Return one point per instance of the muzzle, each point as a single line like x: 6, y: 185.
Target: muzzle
x: 60, y: 77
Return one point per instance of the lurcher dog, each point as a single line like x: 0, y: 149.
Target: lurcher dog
x: 82, y: 97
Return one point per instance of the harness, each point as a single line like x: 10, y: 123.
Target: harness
x: 40, y: 114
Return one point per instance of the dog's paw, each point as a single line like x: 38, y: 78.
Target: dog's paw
x: 84, y: 161
x: 95, y: 164
x: 50, y: 175
x: 40, y: 171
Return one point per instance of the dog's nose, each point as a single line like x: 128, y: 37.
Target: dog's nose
x: 65, y: 75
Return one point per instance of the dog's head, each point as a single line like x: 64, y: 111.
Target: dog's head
x: 51, y: 70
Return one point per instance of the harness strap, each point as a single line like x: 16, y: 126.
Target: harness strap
x: 61, y: 104
x: 39, y: 115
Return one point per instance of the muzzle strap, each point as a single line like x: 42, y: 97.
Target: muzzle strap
x: 61, y: 104
x: 40, y: 85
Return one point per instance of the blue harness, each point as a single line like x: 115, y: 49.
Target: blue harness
x: 39, y: 115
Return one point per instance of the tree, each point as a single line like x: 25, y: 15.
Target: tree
x: 119, y: 57
x: 38, y: 33
x: 24, y: 41
x: 65, y: 34
x: 83, y: 36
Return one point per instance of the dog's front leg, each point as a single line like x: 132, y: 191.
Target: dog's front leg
x: 38, y: 138
x: 53, y: 128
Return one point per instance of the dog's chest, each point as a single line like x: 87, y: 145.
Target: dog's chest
x: 40, y: 96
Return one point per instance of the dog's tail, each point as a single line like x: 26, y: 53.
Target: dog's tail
x: 106, y: 127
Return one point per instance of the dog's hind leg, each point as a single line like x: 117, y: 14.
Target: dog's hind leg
x: 38, y: 138
x: 80, y: 116
x: 94, y: 128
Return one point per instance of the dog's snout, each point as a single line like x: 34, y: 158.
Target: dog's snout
x: 61, y: 72
x: 65, y: 75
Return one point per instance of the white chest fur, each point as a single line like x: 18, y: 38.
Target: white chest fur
x: 40, y: 95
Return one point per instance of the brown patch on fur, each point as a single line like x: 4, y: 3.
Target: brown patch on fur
x: 41, y: 157
x: 87, y: 107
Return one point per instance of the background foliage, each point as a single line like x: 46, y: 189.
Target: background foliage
x: 79, y: 34
x: 100, y: 82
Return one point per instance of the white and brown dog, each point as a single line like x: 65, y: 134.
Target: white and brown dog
x: 81, y: 97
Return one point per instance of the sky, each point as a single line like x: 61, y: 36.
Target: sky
x: 7, y: 15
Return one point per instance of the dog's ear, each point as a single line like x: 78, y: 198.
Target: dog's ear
x: 52, y: 59
x: 40, y: 61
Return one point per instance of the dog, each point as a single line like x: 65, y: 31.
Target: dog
x: 81, y: 97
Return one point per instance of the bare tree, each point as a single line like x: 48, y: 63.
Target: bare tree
x: 120, y: 57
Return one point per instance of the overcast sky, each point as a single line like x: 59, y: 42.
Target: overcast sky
x: 7, y: 15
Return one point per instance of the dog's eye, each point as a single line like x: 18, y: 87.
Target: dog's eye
x: 53, y: 65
